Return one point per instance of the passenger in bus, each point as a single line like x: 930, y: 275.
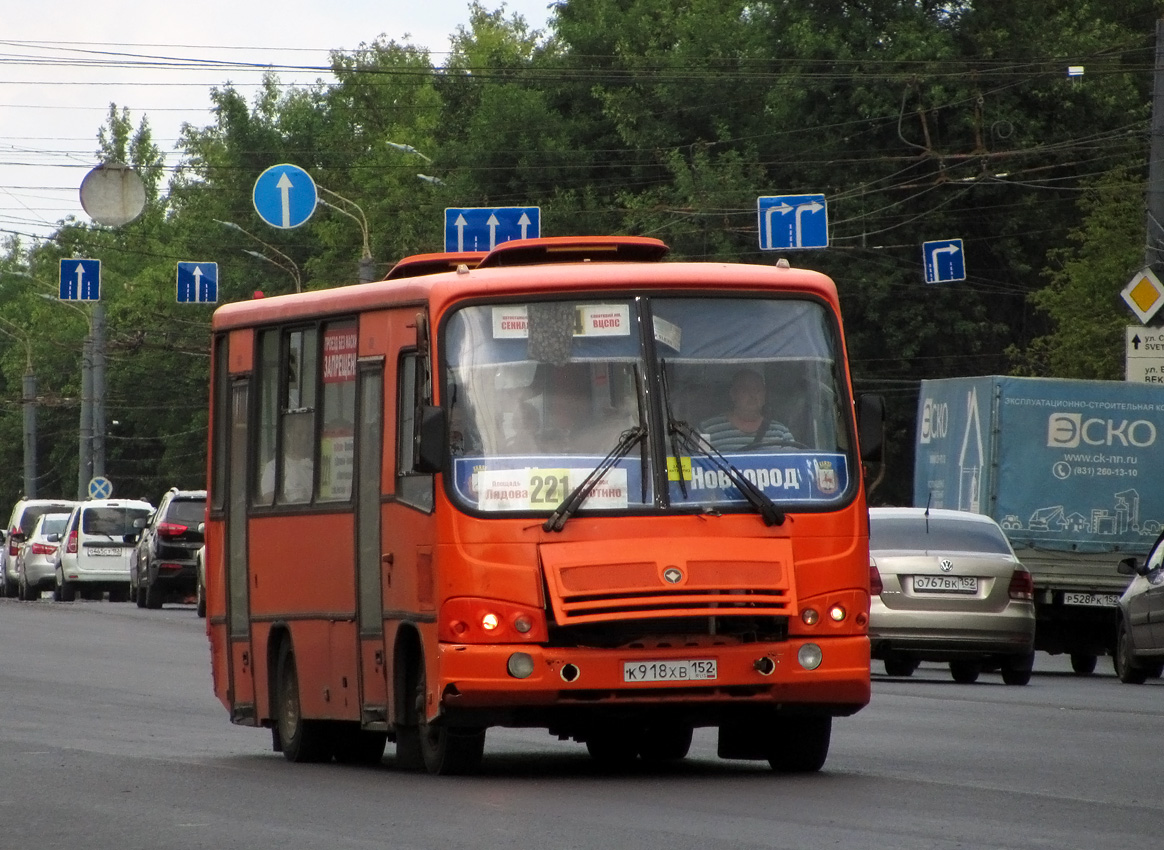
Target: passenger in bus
x: 573, y: 424
x: 527, y: 424
x: 298, y: 465
x: 746, y: 426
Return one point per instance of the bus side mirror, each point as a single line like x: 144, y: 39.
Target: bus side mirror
x: 431, y: 439
x: 871, y: 427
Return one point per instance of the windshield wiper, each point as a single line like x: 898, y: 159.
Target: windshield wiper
x: 575, y: 498
x: 771, y: 514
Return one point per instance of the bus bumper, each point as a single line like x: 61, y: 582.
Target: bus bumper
x: 476, y: 677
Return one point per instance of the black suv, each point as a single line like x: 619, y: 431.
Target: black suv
x: 165, y: 566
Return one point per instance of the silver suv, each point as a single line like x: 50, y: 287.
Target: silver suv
x: 25, y: 513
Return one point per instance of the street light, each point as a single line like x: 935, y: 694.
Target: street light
x: 367, y: 267
x: 408, y: 149
x: 290, y: 266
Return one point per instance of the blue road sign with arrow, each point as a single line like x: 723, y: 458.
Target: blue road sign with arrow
x: 285, y: 196
x: 944, y: 261
x: 80, y: 280
x: 484, y: 228
x: 792, y: 222
x: 197, y: 283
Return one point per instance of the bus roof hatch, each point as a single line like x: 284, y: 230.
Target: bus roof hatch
x: 575, y: 249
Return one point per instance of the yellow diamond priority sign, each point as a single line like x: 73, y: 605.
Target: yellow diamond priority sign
x: 1144, y: 294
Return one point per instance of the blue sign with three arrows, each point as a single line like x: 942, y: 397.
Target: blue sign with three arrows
x: 484, y: 228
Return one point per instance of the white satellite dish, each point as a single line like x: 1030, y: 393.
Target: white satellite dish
x: 113, y: 194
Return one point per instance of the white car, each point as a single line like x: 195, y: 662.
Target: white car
x: 39, y: 555
x: 24, y: 516
x: 97, y: 544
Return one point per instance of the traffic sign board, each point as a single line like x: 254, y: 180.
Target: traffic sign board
x: 100, y: 487
x: 285, y: 196
x: 484, y: 228
x: 944, y: 261
x: 1144, y: 294
x: 792, y: 222
x: 197, y: 283
x: 80, y: 280
x: 1144, y: 363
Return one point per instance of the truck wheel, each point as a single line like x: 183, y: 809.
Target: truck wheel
x: 1083, y: 663
x: 1128, y: 671
x: 964, y: 672
x: 1016, y: 669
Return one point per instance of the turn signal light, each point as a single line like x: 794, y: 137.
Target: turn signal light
x: 875, y: 583
x: 472, y: 620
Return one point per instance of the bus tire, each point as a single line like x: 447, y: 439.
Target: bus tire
x: 451, y: 750
x: 354, y: 745
x: 613, y: 747
x: 800, y: 744
x: 302, y: 740
x: 665, y: 742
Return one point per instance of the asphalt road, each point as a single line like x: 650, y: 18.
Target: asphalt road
x: 110, y: 737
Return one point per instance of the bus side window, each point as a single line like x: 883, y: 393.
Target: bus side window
x: 412, y: 488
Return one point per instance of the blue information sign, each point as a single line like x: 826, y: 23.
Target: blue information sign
x: 484, y: 228
x: 792, y: 222
x: 80, y: 280
x: 197, y: 283
x: 285, y: 196
x: 944, y: 261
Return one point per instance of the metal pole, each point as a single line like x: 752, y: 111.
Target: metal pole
x: 85, y: 454
x: 1155, y: 235
x: 29, y: 401
x: 98, y: 389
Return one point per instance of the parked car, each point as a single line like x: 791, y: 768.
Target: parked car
x: 1139, y: 654
x: 24, y: 516
x: 166, y: 566
x: 99, y: 539
x: 947, y: 587
x: 38, y: 556
x: 200, y: 598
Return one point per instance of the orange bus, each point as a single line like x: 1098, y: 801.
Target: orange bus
x: 499, y: 494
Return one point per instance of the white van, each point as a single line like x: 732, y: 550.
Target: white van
x: 96, y: 547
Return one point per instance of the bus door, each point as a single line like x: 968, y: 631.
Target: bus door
x: 370, y: 606
x: 242, y: 676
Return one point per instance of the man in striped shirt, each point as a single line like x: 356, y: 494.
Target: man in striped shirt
x: 746, y: 427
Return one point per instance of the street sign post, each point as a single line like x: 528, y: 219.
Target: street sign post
x: 80, y: 280
x: 944, y: 260
x: 484, y: 228
x: 792, y: 222
x: 197, y: 283
x: 285, y: 196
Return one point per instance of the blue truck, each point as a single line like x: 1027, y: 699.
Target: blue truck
x: 1068, y: 468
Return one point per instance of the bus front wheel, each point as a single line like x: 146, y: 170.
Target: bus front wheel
x: 800, y: 744
x: 302, y: 740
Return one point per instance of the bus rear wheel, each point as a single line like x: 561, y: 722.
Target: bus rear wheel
x: 302, y: 740
x: 800, y: 744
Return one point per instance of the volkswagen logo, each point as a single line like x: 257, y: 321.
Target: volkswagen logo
x: 672, y: 575
x: 946, y: 564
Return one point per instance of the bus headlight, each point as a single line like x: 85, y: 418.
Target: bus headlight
x: 520, y: 665
x: 809, y: 656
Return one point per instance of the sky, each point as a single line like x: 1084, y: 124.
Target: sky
x: 63, y: 64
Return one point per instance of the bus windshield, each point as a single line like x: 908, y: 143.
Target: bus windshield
x: 539, y: 393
